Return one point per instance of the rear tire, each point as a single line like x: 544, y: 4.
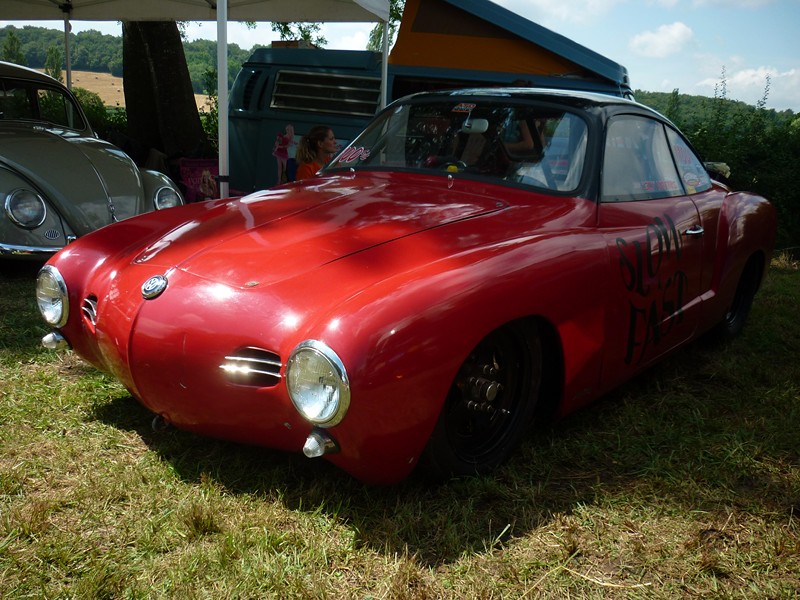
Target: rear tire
x: 490, y: 405
x: 736, y: 316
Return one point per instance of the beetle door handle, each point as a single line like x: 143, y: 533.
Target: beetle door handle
x: 694, y: 230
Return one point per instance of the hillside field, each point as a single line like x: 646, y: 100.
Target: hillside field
x: 109, y: 88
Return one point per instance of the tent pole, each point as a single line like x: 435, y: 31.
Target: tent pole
x: 222, y: 95
x: 67, y: 62
x: 385, y: 65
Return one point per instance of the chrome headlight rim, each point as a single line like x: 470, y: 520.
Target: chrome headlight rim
x: 13, y: 212
x: 331, y: 413
x: 175, y: 198
x: 53, y: 306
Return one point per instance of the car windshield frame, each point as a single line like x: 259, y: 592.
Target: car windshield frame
x: 31, y: 101
x: 506, y: 140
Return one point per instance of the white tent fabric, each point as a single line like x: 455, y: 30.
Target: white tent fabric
x: 221, y: 11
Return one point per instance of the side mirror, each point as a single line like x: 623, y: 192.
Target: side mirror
x: 718, y: 170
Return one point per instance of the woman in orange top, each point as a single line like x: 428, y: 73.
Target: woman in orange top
x: 314, y: 151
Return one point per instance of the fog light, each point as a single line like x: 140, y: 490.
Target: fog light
x: 319, y: 443
x: 54, y: 341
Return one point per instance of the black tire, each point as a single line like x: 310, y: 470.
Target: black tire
x: 736, y: 316
x: 489, y: 407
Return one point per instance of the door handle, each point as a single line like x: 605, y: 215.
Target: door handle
x: 694, y: 230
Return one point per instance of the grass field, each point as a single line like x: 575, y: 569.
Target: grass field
x: 685, y: 483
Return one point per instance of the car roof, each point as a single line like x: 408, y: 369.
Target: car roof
x: 8, y: 69
x: 569, y: 97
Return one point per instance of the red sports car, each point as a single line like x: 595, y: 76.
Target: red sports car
x: 473, y: 260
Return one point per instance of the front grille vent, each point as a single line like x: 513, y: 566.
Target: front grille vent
x: 89, y: 309
x: 252, y: 366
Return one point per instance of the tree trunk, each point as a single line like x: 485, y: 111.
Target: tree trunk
x: 159, y: 99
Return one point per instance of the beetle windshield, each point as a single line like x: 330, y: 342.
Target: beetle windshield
x: 541, y: 146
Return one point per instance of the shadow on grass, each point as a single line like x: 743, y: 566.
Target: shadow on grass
x: 21, y: 327
x: 681, y: 436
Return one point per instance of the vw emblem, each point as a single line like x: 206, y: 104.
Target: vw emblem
x: 154, y: 286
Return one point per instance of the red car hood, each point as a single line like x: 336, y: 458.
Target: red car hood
x: 278, y: 234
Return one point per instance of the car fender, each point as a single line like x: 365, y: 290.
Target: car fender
x: 747, y: 226
x: 405, y: 359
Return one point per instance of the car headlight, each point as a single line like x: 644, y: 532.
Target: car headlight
x: 51, y: 296
x: 25, y: 208
x: 317, y: 383
x: 166, y: 197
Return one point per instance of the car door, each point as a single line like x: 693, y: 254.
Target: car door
x: 654, y: 240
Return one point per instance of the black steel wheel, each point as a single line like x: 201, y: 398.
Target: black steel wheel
x: 737, y: 313
x: 490, y: 404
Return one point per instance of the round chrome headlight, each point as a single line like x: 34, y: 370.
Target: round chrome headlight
x: 26, y: 208
x: 51, y: 296
x: 166, y: 197
x: 318, y: 384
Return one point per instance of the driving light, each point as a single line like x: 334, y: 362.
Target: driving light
x: 317, y: 383
x: 51, y: 296
x: 25, y: 208
x: 319, y: 443
x: 166, y: 197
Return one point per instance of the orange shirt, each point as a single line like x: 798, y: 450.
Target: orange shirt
x: 306, y: 170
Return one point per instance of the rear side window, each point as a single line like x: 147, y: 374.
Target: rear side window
x: 637, y: 162
x: 25, y: 100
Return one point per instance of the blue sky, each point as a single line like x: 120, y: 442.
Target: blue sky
x: 665, y: 44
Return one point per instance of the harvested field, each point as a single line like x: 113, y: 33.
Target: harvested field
x: 109, y: 88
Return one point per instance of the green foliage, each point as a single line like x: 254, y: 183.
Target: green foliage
x: 375, y: 42
x: 107, y: 121
x: 209, y: 114
x: 759, y: 145
x: 12, y: 49
x: 300, y: 31
x: 53, y: 62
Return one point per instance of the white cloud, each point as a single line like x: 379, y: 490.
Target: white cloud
x: 664, y: 41
x: 748, y: 85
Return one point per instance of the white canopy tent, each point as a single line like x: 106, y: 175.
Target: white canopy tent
x: 221, y: 11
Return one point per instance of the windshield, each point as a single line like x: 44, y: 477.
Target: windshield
x: 24, y: 100
x: 541, y: 146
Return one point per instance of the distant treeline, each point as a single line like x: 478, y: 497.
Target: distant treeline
x: 94, y: 51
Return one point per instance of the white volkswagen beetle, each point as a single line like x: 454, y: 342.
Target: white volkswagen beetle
x: 58, y: 180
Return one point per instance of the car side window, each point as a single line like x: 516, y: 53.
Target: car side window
x: 15, y: 102
x: 691, y: 170
x: 637, y: 162
x: 58, y: 109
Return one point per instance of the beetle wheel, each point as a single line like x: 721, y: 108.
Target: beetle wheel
x: 489, y: 406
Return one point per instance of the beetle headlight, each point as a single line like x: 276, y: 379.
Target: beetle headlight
x: 25, y: 208
x: 318, y: 384
x: 166, y: 197
x: 51, y: 296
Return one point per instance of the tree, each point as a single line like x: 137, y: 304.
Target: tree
x: 52, y: 64
x: 162, y: 113
x: 12, y: 49
x: 375, y: 42
x: 300, y: 31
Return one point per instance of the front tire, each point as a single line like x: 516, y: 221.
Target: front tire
x: 490, y: 405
